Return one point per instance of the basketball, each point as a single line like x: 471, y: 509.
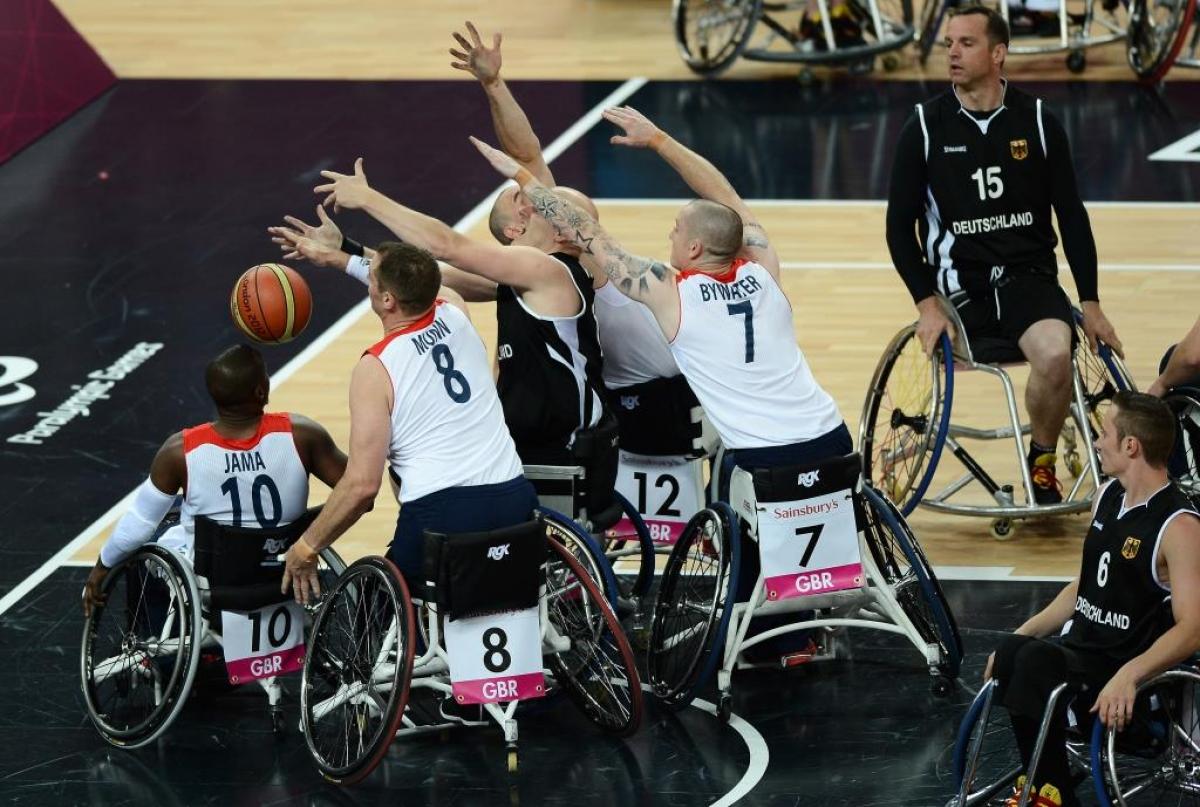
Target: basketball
x: 271, y: 303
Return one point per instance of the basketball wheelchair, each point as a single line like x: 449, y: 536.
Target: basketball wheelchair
x: 1155, y: 760
x: 906, y: 422
x: 829, y: 549
x: 712, y: 34
x: 1161, y: 34
x: 142, y: 647
x: 1184, y: 464
x: 503, y: 617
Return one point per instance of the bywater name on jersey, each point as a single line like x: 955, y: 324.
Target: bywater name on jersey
x: 737, y: 290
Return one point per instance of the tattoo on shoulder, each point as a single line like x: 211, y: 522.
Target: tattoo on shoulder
x: 584, y: 242
x: 757, y: 239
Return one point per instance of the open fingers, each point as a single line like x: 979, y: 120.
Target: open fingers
x: 458, y: 54
x: 462, y: 43
x: 474, y: 34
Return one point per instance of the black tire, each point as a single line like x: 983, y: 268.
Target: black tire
x: 598, y: 672
x: 585, y: 548
x: 1184, y: 464
x: 628, y: 545
x: 693, y: 18
x: 695, y: 601
x: 906, y: 417
x: 996, y: 764
x: 140, y: 647
x: 929, y: 25
x: 1156, y: 33
x: 903, y: 564
x: 352, y: 648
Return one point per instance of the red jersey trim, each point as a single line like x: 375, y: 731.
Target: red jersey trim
x: 422, y: 323
x: 728, y: 276
x: 206, y: 435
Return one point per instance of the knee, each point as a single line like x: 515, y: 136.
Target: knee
x: 1052, y: 359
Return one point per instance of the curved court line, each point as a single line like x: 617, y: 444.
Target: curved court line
x: 759, y: 755
x: 477, y: 213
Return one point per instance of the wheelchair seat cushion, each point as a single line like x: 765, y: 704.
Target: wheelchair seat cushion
x: 655, y: 417
x: 483, y: 572
x: 995, y: 350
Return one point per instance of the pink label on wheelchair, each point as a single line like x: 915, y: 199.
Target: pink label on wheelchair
x: 503, y: 688
x: 663, y: 533
x: 245, y: 670
x: 818, y: 581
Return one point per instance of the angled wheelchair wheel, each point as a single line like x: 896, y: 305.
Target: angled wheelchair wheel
x: 906, y: 418
x: 711, y: 34
x: 901, y: 560
x: 1157, y: 32
x: 1102, y: 375
x: 1156, y: 759
x: 585, y: 548
x: 1184, y: 464
x: 929, y: 25
x: 597, y: 671
x: 358, y: 670
x: 986, y: 760
x: 627, y: 547
x: 694, y: 605
x: 140, y: 648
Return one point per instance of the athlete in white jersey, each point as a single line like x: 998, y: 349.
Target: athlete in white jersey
x: 422, y: 401
x: 248, y: 468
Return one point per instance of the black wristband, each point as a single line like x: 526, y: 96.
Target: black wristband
x: 351, y: 247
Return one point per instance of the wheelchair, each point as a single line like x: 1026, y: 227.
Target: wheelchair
x: 712, y: 34
x: 1156, y: 760
x: 142, y: 647
x: 1184, y: 465
x: 868, y: 572
x: 1159, y: 37
x: 504, y: 616
x: 906, y: 424
x: 584, y: 511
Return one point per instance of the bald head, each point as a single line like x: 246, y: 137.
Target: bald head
x: 509, y: 218
x: 237, y: 379
x: 717, y: 227
x: 578, y: 199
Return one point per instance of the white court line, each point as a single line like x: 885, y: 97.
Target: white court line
x: 1004, y: 573
x: 477, y: 213
x: 1107, y: 267
x: 755, y: 744
x: 870, y: 203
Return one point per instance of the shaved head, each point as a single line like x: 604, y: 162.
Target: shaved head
x: 238, y: 379
x: 716, y: 226
x: 578, y: 199
x: 504, y: 214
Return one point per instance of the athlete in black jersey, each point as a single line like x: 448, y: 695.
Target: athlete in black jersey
x: 1134, y: 609
x: 976, y: 172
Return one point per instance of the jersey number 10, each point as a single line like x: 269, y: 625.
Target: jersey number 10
x: 262, y: 483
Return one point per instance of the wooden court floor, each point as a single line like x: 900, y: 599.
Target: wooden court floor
x: 848, y: 303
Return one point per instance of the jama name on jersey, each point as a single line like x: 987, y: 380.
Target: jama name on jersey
x: 737, y: 290
x: 1099, y: 615
x: 243, y: 461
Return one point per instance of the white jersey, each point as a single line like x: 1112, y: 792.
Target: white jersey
x: 447, y: 425
x: 738, y: 351
x: 635, y: 350
x: 257, y: 482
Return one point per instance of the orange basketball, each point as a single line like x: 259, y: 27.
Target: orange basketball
x: 271, y: 303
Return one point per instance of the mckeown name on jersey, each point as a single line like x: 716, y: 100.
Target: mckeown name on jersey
x: 989, y: 223
x: 737, y: 290
x: 1100, y: 616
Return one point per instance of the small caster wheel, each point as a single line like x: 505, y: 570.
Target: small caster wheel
x: 1074, y: 464
x: 725, y: 708
x: 277, y: 722
x: 1077, y: 61
x: 890, y: 62
x: 1002, y: 528
x: 941, y: 686
x: 512, y: 760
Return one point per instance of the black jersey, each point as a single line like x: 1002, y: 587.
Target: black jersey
x: 550, y: 369
x: 980, y: 187
x: 1120, y: 609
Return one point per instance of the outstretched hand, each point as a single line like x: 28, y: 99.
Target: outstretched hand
x: 348, y: 191
x: 328, y: 234
x: 477, y: 59
x: 503, y: 164
x: 639, y: 131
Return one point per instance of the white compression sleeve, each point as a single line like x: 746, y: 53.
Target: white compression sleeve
x: 136, y: 527
x: 358, y: 267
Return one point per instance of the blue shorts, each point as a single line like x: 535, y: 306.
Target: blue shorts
x: 469, y: 508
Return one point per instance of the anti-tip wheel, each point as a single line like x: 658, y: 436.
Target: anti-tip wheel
x: 1077, y: 61
x: 1002, y: 529
x: 941, y: 686
x: 512, y: 760
x: 725, y: 708
x: 890, y: 62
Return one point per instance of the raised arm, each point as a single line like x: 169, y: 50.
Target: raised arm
x: 704, y: 178
x: 647, y: 281
x: 523, y: 268
x: 512, y: 127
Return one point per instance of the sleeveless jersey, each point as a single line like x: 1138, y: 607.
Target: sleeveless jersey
x: 635, y: 350
x: 257, y: 482
x: 447, y: 426
x: 1120, y: 609
x: 550, y: 367
x: 736, y: 347
x: 988, y: 197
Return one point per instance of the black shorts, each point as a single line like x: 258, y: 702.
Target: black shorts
x: 1005, y: 308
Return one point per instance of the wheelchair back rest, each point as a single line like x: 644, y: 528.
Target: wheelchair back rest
x: 477, y: 573
x: 660, y: 418
x: 244, y: 566
x: 584, y: 491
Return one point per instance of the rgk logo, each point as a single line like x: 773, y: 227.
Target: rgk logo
x: 498, y: 552
x: 630, y: 402
x: 808, y: 478
x: 14, y: 369
x: 273, y: 546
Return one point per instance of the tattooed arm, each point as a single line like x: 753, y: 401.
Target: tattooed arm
x: 704, y: 178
